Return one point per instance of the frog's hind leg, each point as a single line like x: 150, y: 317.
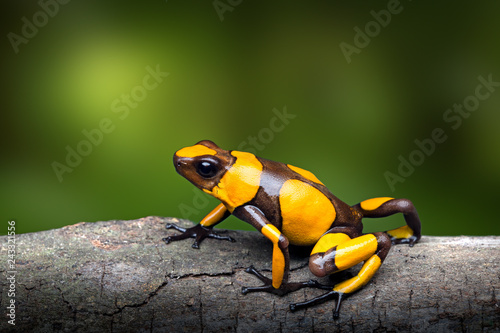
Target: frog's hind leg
x: 382, y: 207
x: 336, y: 251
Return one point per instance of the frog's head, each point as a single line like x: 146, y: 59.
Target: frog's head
x: 203, y: 164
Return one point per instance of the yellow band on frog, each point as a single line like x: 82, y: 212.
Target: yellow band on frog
x: 372, y: 204
x: 278, y: 266
x: 214, y: 216
x: 306, y: 174
x: 328, y: 241
x: 271, y: 232
x: 196, y: 150
x: 370, y: 267
x: 355, y: 250
x: 240, y: 183
x: 401, y: 232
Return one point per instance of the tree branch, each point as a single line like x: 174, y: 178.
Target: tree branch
x: 121, y: 276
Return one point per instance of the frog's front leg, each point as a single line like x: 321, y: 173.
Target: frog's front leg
x: 281, y: 260
x: 337, y: 251
x: 202, y: 230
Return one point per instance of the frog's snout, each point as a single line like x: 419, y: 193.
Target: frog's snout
x: 178, y: 162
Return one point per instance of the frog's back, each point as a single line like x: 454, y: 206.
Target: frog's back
x: 307, y: 207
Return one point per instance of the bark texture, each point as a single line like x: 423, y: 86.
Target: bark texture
x: 120, y: 276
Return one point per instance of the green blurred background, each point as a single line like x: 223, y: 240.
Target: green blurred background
x: 230, y: 65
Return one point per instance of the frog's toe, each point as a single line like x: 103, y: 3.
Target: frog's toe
x: 321, y: 299
x: 409, y: 240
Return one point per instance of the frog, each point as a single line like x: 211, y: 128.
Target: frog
x: 291, y: 206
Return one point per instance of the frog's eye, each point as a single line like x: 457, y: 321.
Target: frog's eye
x: 206, y: 169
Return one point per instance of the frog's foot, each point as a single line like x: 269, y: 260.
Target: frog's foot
x: 411, y: 240
x: 403, y: 235
x: 198, y: 232
x: 321, y: 299
x: 284, y: 289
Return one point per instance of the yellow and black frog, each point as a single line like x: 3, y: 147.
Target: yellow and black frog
x: 289, y: 205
